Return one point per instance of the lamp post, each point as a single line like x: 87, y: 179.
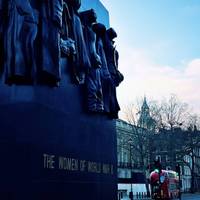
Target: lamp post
x: 130, y: 157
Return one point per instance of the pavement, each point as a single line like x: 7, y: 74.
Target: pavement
x: 190, y: 197
x: 183, y: 197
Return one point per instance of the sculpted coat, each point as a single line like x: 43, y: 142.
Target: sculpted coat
x: 93, y: 79
x: 19, y: 36
x: 106, y: 81
x: 79, y: 62
x: 116, y: 76
x: 51, y: 24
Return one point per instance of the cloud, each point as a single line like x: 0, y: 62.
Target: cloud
x: 145, y: 77
x: 193, y: 69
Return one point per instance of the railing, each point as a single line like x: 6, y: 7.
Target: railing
x: 137, y: 195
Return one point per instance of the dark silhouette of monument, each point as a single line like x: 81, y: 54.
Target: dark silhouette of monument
x: 112, y: 62
x: 58, y: 79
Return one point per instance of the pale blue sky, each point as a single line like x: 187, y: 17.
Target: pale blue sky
x: 169, y: 29
x: 159, y: 46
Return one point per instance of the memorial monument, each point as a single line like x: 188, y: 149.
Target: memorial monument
x: 58, y: 104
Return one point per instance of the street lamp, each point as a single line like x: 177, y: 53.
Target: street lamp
x: 178, y: 170
x: 130, y: 156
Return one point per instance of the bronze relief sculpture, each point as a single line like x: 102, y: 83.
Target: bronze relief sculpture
x: 36, y: 34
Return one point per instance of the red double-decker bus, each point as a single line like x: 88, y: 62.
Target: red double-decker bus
x: 164, y: 184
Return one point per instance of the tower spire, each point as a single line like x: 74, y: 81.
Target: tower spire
x: 145, y: 120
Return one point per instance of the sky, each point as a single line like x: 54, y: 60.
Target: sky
x: 159, y: 49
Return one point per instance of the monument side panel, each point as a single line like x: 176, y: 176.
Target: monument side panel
x: 51, y: 149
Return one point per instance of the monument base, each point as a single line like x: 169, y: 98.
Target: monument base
x: 51, y: 149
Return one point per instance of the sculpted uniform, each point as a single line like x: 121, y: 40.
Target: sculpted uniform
x: 100, y: 31
x: 93, y: 80
x: 51, y: 24
x: 20, y: 34
x: 80, y: 61
x: 116, y: 76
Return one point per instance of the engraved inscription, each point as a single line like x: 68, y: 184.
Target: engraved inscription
x: 72, y: 164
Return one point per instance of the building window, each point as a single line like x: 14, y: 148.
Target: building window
x: 177, y: 157
x: 118, y: 157
x: 158, y: 157
x: 167, y: 158
x: 122, y: 156
x: 168, y: 168
x: 181, y: 170
x: 125, y: 157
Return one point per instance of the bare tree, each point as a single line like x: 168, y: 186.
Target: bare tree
x: 156, y: 114
x: 174, y: 115
x: 189, y: 150
x: 131, y: 113
x: 193, y: 121
x: 182, y: 141
x: 141, y: 138
x: 173, y: 112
